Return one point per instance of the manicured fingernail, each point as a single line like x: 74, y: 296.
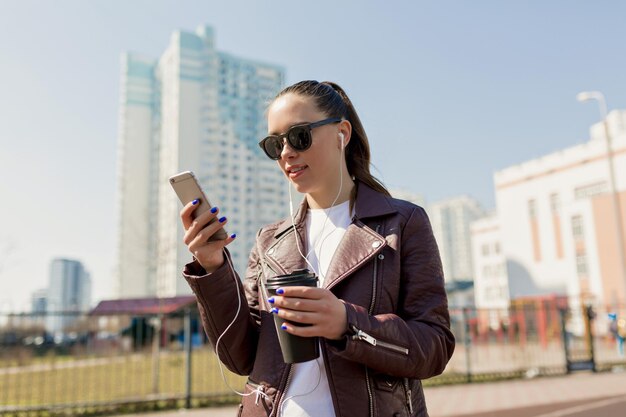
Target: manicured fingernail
x: 280, y: 291
x: 233, y: 236
x: 196, y: 201
x: 275, y: 310
x: 283, y: 327
x: 213, y: 210
x: 222, y: 220
x: 271, y: 300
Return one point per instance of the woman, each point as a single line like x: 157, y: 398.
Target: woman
x: 380, y: 310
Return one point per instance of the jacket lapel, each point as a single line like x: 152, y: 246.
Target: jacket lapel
x: 358, y: 246
x: 283, y: 252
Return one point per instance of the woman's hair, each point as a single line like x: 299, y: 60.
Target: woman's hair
x: 332, y: 100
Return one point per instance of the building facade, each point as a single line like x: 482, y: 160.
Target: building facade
x: 39, y: 302
x: 557, y: 222
x: 69, y: 291
x: 451, y: 220
x: 202, y: 110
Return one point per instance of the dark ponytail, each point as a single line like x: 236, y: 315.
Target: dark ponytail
x: 331, y: 99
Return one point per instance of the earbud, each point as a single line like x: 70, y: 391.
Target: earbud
x: 342, y: 138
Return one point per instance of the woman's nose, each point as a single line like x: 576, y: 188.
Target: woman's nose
x: 287, y: 151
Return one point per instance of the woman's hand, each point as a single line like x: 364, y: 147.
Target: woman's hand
x: 316, y: 306
x: 210, y: 255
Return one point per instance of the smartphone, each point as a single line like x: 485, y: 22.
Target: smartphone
x: 188, y: 189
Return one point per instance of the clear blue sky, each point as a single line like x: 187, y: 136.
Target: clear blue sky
x: 449, y: 92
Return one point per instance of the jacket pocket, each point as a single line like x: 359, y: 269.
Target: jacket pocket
x: 256, y: 400
x: 390, y: 396
x: 385, y: 382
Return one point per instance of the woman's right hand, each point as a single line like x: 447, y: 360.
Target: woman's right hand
x: 210, y: 255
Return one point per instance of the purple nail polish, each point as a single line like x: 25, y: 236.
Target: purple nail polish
x: 222, y: 220
x: 233, y: 236
x: 283, y: 327
x: 213, y: 210
x: 270, y: 300
x: 280, y: 291
x: 275, y: 310
x: 196, y: 201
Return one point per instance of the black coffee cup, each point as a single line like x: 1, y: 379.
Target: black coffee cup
x: 295, y: 348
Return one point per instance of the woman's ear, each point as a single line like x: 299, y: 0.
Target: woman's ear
x: 345, y: 130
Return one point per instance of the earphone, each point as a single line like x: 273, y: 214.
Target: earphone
x: 342, y: 138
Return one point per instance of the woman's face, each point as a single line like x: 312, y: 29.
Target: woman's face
x: 315, y: 170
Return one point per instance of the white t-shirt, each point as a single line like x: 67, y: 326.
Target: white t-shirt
x: 325, y: 229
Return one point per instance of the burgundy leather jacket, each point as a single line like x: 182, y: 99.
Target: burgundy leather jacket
x: 386, y: 270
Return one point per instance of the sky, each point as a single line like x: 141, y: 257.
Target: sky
x: 449, y: 92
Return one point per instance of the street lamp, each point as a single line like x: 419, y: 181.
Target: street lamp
x: 599, y: 97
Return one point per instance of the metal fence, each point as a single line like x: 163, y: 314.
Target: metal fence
x: 81, y: 364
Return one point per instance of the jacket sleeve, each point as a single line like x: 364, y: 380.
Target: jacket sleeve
x: 416, y: 341
x: 221, y: 295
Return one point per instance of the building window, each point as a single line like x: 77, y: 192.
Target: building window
x: 577, y: 227
x: 590, y: 190
x: 485, y: 249
x: 555, y: 203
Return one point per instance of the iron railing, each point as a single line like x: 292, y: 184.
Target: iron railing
x: 105, y: 364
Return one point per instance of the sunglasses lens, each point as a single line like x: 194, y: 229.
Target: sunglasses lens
x: 273, y: 146
x: 299, y: 138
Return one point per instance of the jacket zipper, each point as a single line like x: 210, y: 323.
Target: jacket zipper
x: 282, y: 394
x: 407, y: 390
x: 374, y: 279
x: 369, y: 391
x: 370, y: 311
x: 361, y: 335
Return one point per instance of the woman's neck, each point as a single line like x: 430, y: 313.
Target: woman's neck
x: 327, y: 198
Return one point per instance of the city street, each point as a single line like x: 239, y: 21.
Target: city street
x: 607, y: 407
x: 577, y: 395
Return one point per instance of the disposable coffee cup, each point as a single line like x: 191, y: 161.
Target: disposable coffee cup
x: 294, y: 348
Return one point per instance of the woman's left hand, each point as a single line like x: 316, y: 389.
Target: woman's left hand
x: 310, y: 305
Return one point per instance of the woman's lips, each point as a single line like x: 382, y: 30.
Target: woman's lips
x: 295, y: 172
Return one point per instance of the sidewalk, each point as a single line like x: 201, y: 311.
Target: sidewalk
x: 455, y: 400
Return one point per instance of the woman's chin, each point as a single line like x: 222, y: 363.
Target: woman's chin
x: 299, y: 187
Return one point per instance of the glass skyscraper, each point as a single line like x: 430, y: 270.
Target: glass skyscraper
x: 69, y: 291
x: 197, y: 109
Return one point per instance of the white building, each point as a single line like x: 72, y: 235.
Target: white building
x: 195, y: 109
x: 556, y: 222
x: 69, y: 292
x: 451, y: 221
x: 491, y: 284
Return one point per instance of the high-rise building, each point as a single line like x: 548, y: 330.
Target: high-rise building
x: 39, y: 301
x: 451, y: 220
x: 69, y: 291
x: 198, y: 109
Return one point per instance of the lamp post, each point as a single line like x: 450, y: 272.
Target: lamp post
x: 617, y: 213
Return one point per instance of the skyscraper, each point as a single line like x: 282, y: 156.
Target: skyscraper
x: 451, y: 221
x: 69, y: 291
x: 198, y: 109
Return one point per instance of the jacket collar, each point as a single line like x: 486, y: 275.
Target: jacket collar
x: 368, y: 203
x: 359, y: 245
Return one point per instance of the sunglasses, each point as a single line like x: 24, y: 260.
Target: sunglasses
x: 298, y: 137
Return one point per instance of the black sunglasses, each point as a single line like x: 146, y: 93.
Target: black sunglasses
x: 298, y: 137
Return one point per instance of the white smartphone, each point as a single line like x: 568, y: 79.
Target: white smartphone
x: 188, y: 189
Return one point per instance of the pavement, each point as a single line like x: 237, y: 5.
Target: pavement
x: 576, y: 395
